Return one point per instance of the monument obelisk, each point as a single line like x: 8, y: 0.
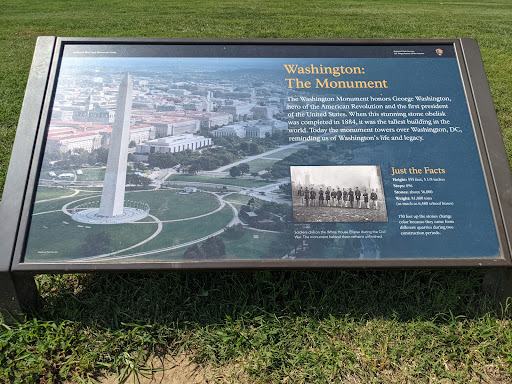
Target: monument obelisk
x: 112, y: 197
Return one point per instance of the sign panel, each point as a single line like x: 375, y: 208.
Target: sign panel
x: 262, y: 154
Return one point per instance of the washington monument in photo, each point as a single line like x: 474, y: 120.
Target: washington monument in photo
x: 112, y: 197
x: 112, y: 208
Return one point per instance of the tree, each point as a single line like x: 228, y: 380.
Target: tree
x: 194, y: 168
x: 254, y: 174
x: 193, y: 253
x: 244, y: 168
x: 253, y: 149
x: 139, y: 166
x: 99, y: 155
x: 213, y: 248
x: 266, y: 176
x: 137, y: 180
x: 234, y: 171
x: 244, y: 146
x: 95, y: 244
x: 251, y: 203
x: 132, y: 144
x: 235, y: 231
x: 286, y: 188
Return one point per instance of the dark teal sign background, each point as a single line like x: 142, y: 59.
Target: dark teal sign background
x: 422, y: 72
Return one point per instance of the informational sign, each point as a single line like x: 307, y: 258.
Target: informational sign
x: 236, y: 154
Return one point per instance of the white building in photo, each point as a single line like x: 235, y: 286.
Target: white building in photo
x: 265, y: 111
x: 174, y: 144
x: 278, y: 125
x: 174, y: 126
x: 230, y: 130
x: 69, y: 141
x: 240, y: 112
x: 258, y: 130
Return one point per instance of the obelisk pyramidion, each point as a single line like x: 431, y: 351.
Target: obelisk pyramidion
x: 112, y: 197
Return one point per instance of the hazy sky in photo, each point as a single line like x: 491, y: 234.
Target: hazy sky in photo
x: 345, y: 176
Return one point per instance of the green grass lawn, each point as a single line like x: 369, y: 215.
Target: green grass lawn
x: 260, y: 164
x: 169, y: 205
x: 247, y: 183
x: 49, y: 239
x: 184, y: 231
x: 285, y: 152
x: 396, y: 326
x: 91, y: 174
x: 52, y: 231
x: 252, y: 245
x: 53, y: 205
x: 46, y: 193
x: 238, y: 200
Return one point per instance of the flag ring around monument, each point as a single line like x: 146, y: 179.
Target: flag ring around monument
x: 89, y: 213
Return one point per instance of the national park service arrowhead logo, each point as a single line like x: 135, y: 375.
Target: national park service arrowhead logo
x: 439, y: 52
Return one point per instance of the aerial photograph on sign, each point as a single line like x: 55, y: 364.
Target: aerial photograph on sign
x: 163, y: 158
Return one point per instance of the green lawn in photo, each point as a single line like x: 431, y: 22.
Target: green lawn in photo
x: 46, y: 193
x: 168, y: 204
x: 88, y: 189
x: 91, y: 174
x: 246, y: 183
x: 211, y: 189
x: 252, y: 245
x: 56, y: 237
x: 286, y: 152
x: 53, y: 205
x: 260, y: 164
x: 322, y: 326
x: 238, y: 200
x: 184, y: 231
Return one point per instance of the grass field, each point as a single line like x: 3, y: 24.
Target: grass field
x: 238, y: 200
x: 247, y: 183
x: 91, y: 174
x: 396, y: 326
x: 260, y: 164
x: 50, y: 241
x: 46, y: 193
x: 169, y: 205
x: 285, y: 152
x: 252, y: 245
x: 184, y: 231
x: 53, y: 205
x: 52, y: 231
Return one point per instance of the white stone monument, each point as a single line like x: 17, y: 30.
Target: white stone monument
x: 112, y: 197
x: 112, y: 206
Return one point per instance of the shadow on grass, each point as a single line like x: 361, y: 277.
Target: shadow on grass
x: 196, y: 299
x: 261, y: 326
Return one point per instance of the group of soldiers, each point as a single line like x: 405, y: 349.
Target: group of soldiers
x: 338, y: 198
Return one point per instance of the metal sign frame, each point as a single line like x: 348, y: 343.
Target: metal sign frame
x: 23, y: 172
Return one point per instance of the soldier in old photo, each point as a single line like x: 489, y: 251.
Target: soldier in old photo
x: 365, y: 198
x: 357, y: 194
x: 373, y: 198
x: 300, y: 194
x: 351, y: 197
x: 312, y: 196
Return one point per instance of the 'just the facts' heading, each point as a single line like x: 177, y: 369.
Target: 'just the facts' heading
x: 328, y: 82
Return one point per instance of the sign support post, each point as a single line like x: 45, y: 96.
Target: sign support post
x: 18, y: 294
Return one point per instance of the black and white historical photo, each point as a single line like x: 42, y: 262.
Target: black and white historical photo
x: 341, y: 193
